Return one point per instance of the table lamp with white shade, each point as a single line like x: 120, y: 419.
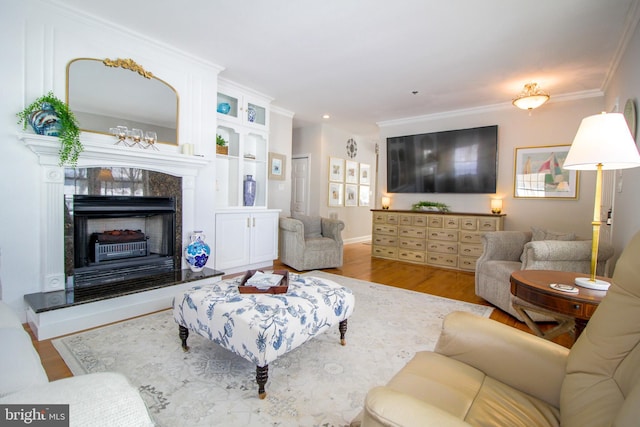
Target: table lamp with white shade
x: 603, y: 142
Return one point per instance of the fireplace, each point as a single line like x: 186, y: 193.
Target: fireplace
x: 117, y: 238
x: 122, y: 228
x: 105, y: 169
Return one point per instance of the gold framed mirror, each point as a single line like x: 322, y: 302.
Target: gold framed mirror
x: 107, y: 93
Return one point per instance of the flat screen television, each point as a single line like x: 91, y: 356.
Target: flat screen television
x: 456, y: 161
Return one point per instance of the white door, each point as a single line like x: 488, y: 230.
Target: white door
x: 300, y: 185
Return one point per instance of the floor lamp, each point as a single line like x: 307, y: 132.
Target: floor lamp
x: 603, y: 142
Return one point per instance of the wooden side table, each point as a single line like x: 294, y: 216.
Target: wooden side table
x: 533, y: 293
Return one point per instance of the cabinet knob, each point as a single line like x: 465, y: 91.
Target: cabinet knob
x: 576, y: 306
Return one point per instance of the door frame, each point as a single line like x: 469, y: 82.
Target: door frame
x: 307, y: 180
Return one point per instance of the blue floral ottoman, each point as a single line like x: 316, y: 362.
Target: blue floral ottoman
x: 262, y: 327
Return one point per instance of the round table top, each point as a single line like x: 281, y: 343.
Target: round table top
x: 540, y: 280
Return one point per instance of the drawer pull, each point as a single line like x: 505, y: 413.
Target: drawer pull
x: 576, y: 306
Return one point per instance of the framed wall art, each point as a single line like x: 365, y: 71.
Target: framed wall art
x: 539, y: 173
x: 351, y: 195
x: 365, y: 174
x: 363, y: 195
x: 335, y: 194
x: 351, y: 172
x: 276, y: 166
x: 336, y: 169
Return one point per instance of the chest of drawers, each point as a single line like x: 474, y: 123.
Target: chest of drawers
x: 451, y: 240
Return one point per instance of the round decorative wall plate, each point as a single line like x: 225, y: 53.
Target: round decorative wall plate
x: 352, y: 148
x: 630, y: 116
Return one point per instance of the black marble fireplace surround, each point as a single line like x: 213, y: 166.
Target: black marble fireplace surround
x: 115, y: 194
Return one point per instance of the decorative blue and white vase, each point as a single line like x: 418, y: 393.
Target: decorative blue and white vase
x: 45, y: 121
x: 251, y: 114
x: 249, y: 191
x: 197, y: 252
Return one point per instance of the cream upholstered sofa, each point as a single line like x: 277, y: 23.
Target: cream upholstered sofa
x: 484, y: 373
x: 507, y: 251
x: 311, y: 242
x: 100, y: 399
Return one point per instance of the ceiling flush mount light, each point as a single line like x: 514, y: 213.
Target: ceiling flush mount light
x: 531, y: 97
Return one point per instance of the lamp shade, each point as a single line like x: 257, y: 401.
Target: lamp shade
x: 496, y: 206
x: 603, y: 139
x: 386, y: 202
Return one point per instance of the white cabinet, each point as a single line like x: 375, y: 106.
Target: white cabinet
x: 246, y: 240
x: 247, y: 136
x: 242, y: 105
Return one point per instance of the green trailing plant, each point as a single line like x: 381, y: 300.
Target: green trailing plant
x: 221, y: 141
x: 70, y: 145
x: 439, y: 206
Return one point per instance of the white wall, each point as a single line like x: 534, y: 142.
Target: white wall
x: 325, y: 142
x: 280, y: 135
x: 625, y: 84
x: 552, y: 124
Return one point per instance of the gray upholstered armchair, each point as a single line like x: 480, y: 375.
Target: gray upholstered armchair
x: 508, y: 251
x: 485, y: 373
x: 311, y: 242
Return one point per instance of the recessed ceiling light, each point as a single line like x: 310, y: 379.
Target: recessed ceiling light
x: 326, y: 116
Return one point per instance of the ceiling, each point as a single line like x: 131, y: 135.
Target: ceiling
x: 361, y: 60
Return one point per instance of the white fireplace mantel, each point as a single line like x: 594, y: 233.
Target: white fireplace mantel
x: 99, y: 151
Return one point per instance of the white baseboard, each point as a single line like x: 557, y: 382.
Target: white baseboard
x: 360, y: 239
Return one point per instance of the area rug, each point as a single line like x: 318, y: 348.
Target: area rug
x: 320, y: 383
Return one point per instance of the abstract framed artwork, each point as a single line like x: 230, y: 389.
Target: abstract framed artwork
x: 335, y: 194
x: 336, y: 169
x: 351, y: 195
x: 539, y: 173
x: 276, y: 166
x: 365, y: 174
x: 351, y: 172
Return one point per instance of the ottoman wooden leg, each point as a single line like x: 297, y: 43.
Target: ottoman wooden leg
x: 262, y: 375
x: 184, y: 334
x: 343, y: 331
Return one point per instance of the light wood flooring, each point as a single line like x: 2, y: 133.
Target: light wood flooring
x: 359, y: 264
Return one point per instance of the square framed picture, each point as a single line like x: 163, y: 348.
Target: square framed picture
x: 351, y: 195
x: 363, y: 195
x: 539, y: 173
x: 351, y: 172
x: 365, y: 174
x: 335, y: 194
x: 336, y: 169
x: 276, y: 166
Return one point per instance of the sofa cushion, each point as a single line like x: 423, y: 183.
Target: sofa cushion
x: 312, y: 225
x: 468, y: 394
x: 100, y: 399
x: 8, y: 318
x: 544, y: 234
x: 20, y: 365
